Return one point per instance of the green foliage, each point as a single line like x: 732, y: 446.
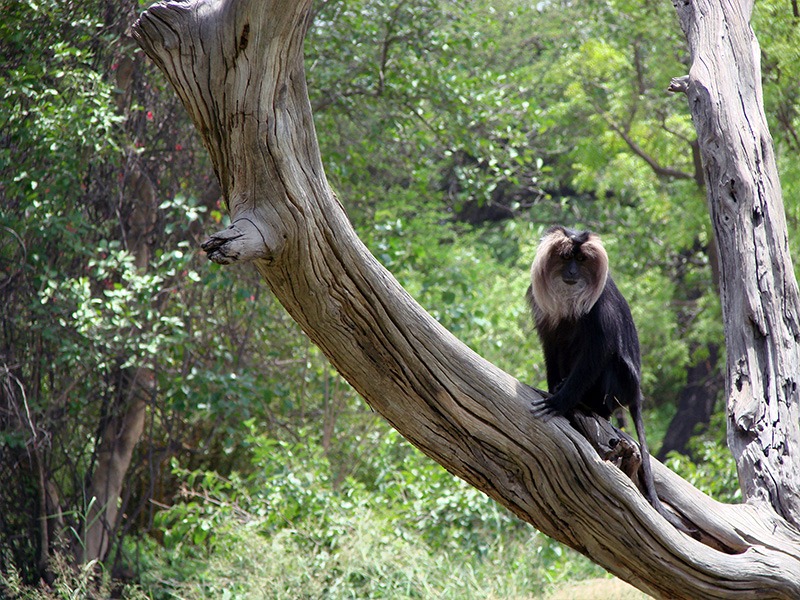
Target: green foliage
x: 424, y: 112
x: 412, y: 531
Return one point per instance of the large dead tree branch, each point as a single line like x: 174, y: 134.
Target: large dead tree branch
x: 238, y: 67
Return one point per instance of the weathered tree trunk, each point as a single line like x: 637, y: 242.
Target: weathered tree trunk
x: 759, y: 291
x: 238, y: 68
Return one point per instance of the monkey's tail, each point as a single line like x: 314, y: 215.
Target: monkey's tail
x: 646, y: 472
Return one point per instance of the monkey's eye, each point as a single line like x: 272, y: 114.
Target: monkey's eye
x: 580, y: 257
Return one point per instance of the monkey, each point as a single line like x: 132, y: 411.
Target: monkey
x: 590, y: 343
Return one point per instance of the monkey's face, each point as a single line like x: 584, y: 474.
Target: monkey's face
x: 568, y: 274
x: 573, y: 268
x: 571, y: 273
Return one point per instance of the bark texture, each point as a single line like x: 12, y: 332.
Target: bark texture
x: 759, y: 291
x: 238, y: 67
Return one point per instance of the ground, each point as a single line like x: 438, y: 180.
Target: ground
x: 598, y: 589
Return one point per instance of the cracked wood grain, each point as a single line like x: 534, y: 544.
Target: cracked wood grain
x: 249, y: 101
x: 758, y: 287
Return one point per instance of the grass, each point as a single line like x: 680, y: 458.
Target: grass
x: 368, y: 558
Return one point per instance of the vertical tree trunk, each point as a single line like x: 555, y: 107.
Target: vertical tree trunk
x: 759, y: 291
x: 119, y: 439
x: 126, y: 418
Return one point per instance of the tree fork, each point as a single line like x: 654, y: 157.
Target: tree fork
x: 238, y: 68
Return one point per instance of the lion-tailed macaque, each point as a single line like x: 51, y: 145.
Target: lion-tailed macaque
x: 591, y: 348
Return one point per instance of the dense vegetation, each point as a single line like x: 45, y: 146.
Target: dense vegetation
x: 453, y: 135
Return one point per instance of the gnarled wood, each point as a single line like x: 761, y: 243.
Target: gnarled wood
x: 760, y: 299
x: 238, y: 67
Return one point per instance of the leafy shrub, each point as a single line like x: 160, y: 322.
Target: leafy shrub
x: 402, y: 532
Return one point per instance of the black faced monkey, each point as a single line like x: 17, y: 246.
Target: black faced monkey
x: 591, y: 348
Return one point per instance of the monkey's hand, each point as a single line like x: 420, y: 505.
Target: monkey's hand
x: 552, y: 406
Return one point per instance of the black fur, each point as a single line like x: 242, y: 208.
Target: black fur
x: 592, y: 357
x: 594, y: 361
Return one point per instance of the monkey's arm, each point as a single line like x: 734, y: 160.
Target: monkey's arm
x: 572, y: 390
